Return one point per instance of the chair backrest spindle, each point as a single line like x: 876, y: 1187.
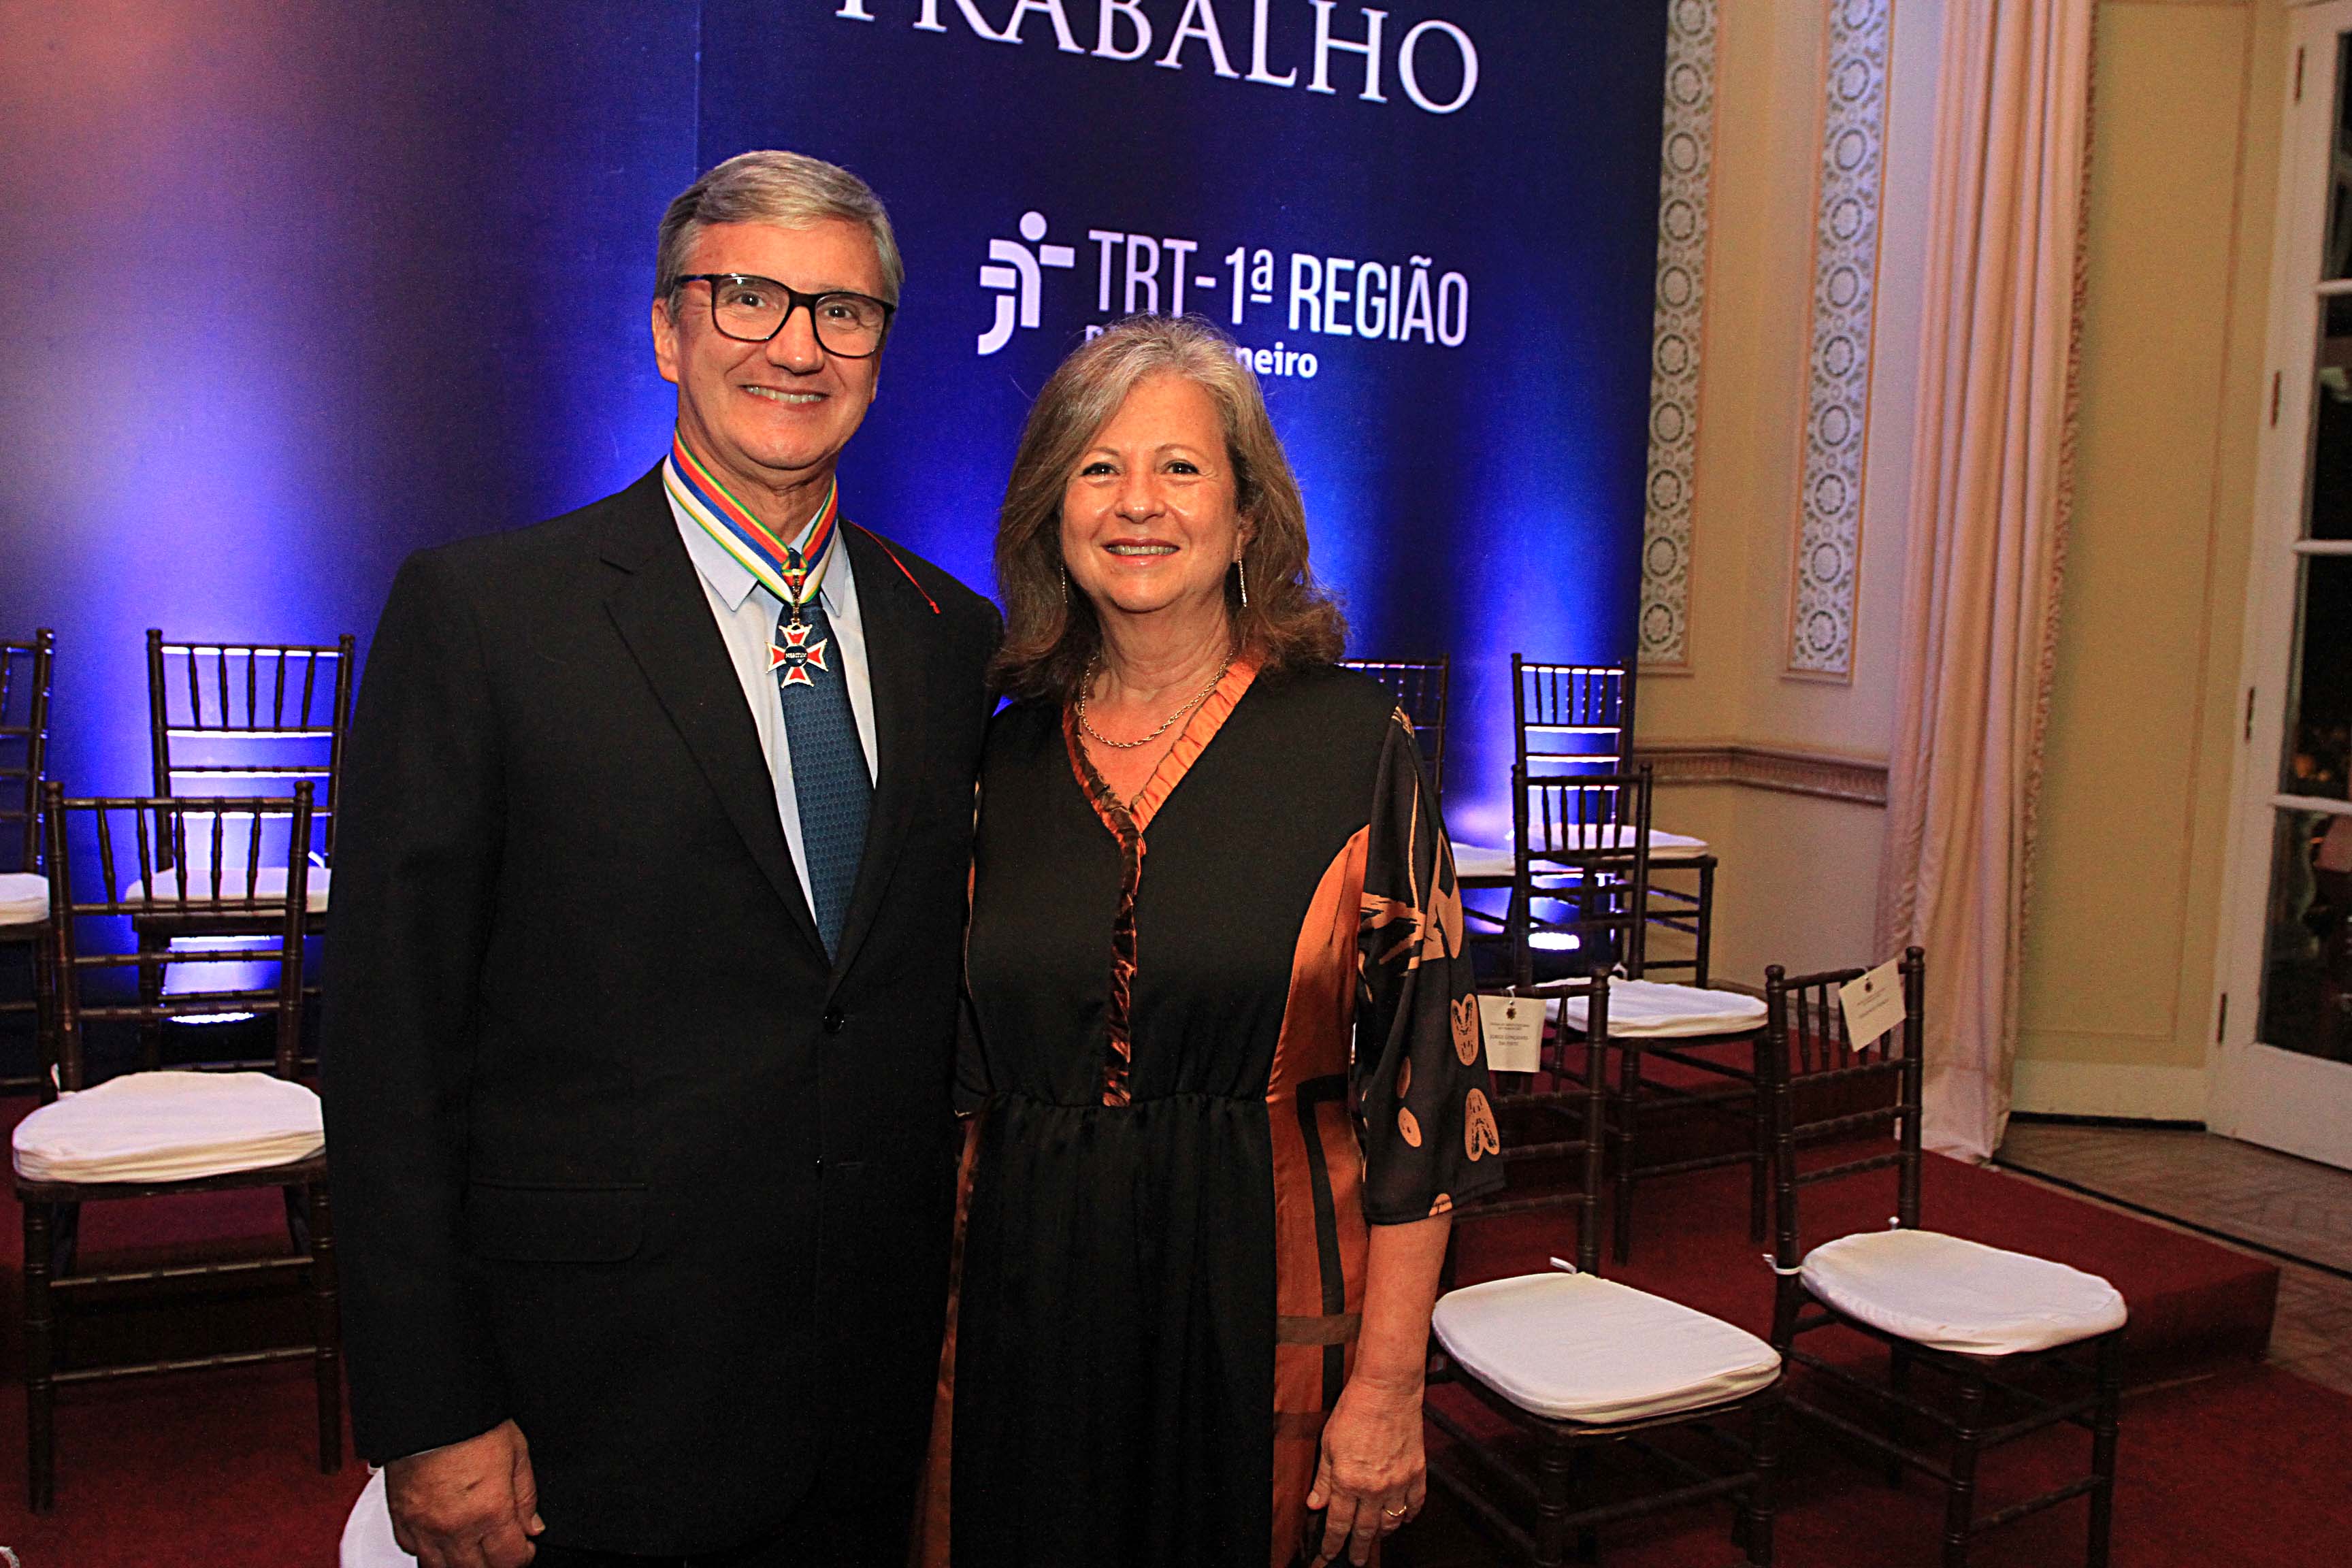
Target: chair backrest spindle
x: 27, y: 670
x: 1571, y: 718
x: 1420, y: 689
x: 163, y: 882
x: 1807, y: 1045
x: 217, y: 718
x: 1527, y: 1138
x: 1582, y: 848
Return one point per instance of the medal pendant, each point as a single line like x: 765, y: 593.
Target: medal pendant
x: 796, y: 655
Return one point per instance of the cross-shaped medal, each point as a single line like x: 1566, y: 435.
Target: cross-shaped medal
x: 796, y: 656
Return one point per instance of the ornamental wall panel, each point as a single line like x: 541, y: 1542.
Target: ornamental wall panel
x: 1685, y: 167
x: 1826, y: 572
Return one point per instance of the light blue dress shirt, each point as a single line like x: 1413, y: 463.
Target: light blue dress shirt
x: 747, y: 614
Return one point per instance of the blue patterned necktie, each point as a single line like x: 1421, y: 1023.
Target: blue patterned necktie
x: 829, y: 778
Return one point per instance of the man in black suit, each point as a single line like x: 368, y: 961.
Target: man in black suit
x: 644, y: 974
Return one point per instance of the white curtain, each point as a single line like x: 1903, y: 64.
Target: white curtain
x: 1990, y: 497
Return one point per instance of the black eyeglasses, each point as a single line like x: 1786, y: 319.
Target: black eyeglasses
x: 752, y: 309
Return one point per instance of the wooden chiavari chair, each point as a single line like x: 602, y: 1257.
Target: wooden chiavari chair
x: 1580, y: 868
x: 161, y: 1135
x: 1419, y: 688
x: 27, y: 670
x: 1571, y: 719
x: 1582, y: 887
x: 220, y: 716
x: 243, y: 719
x: 1576, y: 1364
x: 1972, y: 1313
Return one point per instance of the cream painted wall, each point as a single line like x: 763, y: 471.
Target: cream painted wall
x: 1799, y: 874
x: 2118, y: 974
x: 1796, y: 886
x: 2118, y: 1009
x: 1753, y: 378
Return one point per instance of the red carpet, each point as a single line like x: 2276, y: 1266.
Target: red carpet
x: 2241, y: 1465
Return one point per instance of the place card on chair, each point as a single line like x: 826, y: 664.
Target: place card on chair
x: 1872, y: 1003
x: 1514, y: 1030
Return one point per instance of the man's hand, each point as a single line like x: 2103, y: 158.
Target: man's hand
x: 470, y: 1505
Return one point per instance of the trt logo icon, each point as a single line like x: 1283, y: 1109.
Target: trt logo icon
x: 1020, y: 277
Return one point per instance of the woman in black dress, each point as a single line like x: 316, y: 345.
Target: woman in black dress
x: 1223, y: 1043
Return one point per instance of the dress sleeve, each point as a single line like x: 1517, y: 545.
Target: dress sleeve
x: 1420, y: 1072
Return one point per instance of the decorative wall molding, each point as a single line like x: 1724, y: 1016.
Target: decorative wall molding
x: 1687, y: 158
x: 1789, y: 770
x: 1837, y: 404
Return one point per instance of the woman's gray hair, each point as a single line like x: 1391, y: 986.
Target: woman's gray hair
x: 790, y: 190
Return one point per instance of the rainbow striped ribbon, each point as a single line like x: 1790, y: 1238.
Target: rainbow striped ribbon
x: 793, y: 573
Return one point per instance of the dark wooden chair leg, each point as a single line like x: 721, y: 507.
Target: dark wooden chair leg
x: 1629, y: 1090
x: 1959, y: 1502
x: 44, y: 1025
x: 326, y: 1328
x: 1759, y: 1150
x: 150, y: 992
x: 65, y: 1248
x: 40, y: 1364
x: 1706, y: 921
x: 1899, y: 1379
x: 1555, y: 1494
x: 2103, y: 1415
x: 1581, y: 1460
x: 1764, y: 1500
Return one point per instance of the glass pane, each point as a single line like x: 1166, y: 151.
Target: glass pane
x: 2329, y: 508
x: 2319, y: 708
x: 2308, y: 952
x: 2340, y: 211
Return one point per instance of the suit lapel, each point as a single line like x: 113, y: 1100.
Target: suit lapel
x: 899, y: 637
x: 660, y: 611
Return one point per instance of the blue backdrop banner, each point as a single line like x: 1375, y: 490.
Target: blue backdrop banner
x: 1428, y: 228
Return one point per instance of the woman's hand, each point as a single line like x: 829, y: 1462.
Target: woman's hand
x: 1373, y: 1475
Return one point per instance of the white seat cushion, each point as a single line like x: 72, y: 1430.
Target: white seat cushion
x: 367, y: 1535
x: 1960, y: 1296
x: 1576, y: 1347
x: 1651, y: 1010
x: 269, y: 885
x: 1482, y: 861
x: 1664, y: 846
x: 24, y: 898
x: 170, y: 1127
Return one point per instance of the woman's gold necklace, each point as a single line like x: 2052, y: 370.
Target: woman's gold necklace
x: 1100, y: 739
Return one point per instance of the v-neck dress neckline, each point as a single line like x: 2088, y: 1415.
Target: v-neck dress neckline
x: 1191, y: 741
x: 1126, y: 821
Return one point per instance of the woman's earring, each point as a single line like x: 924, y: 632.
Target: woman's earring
x: 1241, y: 573
x: 1066, y: 584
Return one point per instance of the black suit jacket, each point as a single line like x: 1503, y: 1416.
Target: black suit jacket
x: 617, y: 1151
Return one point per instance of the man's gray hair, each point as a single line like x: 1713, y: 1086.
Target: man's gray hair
x: 790, y: 190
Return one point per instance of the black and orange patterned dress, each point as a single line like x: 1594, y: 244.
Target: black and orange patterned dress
x: 1217, y: 1031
